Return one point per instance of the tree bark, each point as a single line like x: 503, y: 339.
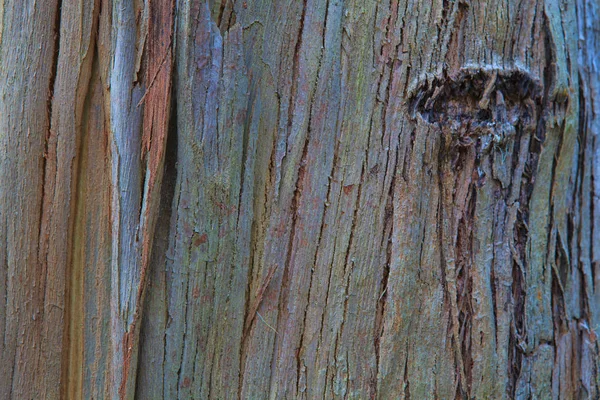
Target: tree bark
x: 299, y: 199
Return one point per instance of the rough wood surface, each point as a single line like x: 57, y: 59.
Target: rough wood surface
x: 299, y: 199
x: 31, y: 289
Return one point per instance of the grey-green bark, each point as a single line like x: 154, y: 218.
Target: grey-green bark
x: 299, y: 199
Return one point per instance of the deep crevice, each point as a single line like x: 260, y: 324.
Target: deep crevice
x: 388, y: 229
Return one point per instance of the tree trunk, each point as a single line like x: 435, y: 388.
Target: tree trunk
x: 299, y: 199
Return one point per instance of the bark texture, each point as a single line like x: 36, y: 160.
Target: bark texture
x: 299, y: 199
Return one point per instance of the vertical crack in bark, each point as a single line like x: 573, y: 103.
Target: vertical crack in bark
x: 348, y: 269
x: 155, y: 318
x: 388, y: 224
x: 43, y: 235
x: 282, y: 315
x: 51, y: 88
x: 185, y: 329
x: 252, y: 241
x: 303, y: 163
x: 448, y: 216
x: 221, y: 10
x: 328, y: 287
x: 383, y: 285
x: 465, y: 284
x: 137, y: 162
x: 280, y: 158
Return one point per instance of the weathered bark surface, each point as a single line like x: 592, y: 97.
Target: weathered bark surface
x: 31, y: 289
x: 361, y: 199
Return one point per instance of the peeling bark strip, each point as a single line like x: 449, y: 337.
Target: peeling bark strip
x: 209, y: 238
x: 139, y: 110
x: 380, y: 199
